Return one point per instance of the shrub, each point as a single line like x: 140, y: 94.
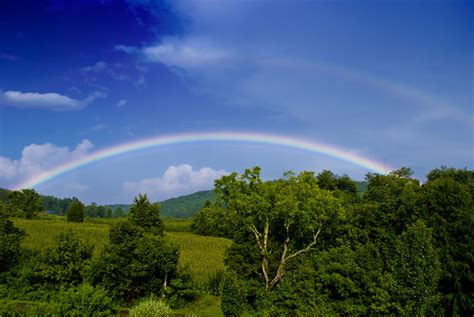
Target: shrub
x: 64, y: 263
x: 85, y: 300
x: 150, y: 308
x: 182, y: 290
x: 232, y: 302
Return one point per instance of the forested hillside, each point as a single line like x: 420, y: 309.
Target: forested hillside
x: 185, y: 206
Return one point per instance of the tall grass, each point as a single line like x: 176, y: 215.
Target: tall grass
x: 203, y: 255
x: 41, y: 233
x: 177, y: 225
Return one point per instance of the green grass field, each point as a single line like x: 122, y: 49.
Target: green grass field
x: 203, y: 255
x: 41, y: 233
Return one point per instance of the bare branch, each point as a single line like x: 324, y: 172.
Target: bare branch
x: 315, y: 237
x: 257, y: 237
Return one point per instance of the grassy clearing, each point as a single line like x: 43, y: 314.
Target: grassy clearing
x: 41, y: 233
x: 177, y: 225
x: 203, y: 255
x: 207, y: 305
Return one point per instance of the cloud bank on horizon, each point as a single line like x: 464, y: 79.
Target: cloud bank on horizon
x: 392, y: 80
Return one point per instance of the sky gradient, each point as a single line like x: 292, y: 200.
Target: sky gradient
x: 390, y: 81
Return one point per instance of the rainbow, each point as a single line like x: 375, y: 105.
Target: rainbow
x: 220, y: 136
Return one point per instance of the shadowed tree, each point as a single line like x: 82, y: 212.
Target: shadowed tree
x: 75, y: 212
x: 10, y: 239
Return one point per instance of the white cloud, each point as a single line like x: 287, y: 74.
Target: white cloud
x: 177, y: 180
x: 38, y: 158
x: 51, y: 100
x: 126, y: 49
x: 97, y: 67
x: 121, y: 103
x: 174, y: 52
x: 185, y: 54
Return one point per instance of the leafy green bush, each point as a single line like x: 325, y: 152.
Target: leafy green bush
x: 64, y: 264
x: 85, y: 300
x: 150, y: 308
x: 182, y: 291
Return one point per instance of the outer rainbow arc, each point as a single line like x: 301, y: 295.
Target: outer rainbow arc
x: 224, y: 136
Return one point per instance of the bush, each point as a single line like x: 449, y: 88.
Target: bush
x: 182, y: 290
x: 64, y: 263
x: 10, y: 239
x: 85, y: 300
x: 150, y: 307
x: 232, y: 302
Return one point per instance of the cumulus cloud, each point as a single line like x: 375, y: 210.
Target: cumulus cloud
x: 177, y: 180
x: 38, y: 158
x: 51, y: 100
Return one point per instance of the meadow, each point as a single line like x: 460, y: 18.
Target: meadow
x: 203, y: 255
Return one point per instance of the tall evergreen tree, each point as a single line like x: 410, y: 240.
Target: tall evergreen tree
x: 146, y: 215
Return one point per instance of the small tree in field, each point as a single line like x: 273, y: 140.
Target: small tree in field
x: 76, y: 212
x: 146, y: 215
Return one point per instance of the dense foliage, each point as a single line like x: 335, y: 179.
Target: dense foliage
x: 401, y: 248
x: 23, y: 203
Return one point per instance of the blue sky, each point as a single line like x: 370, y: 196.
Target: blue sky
x: 387, y: 80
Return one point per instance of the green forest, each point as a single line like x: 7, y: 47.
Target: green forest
x: 306, y: 244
